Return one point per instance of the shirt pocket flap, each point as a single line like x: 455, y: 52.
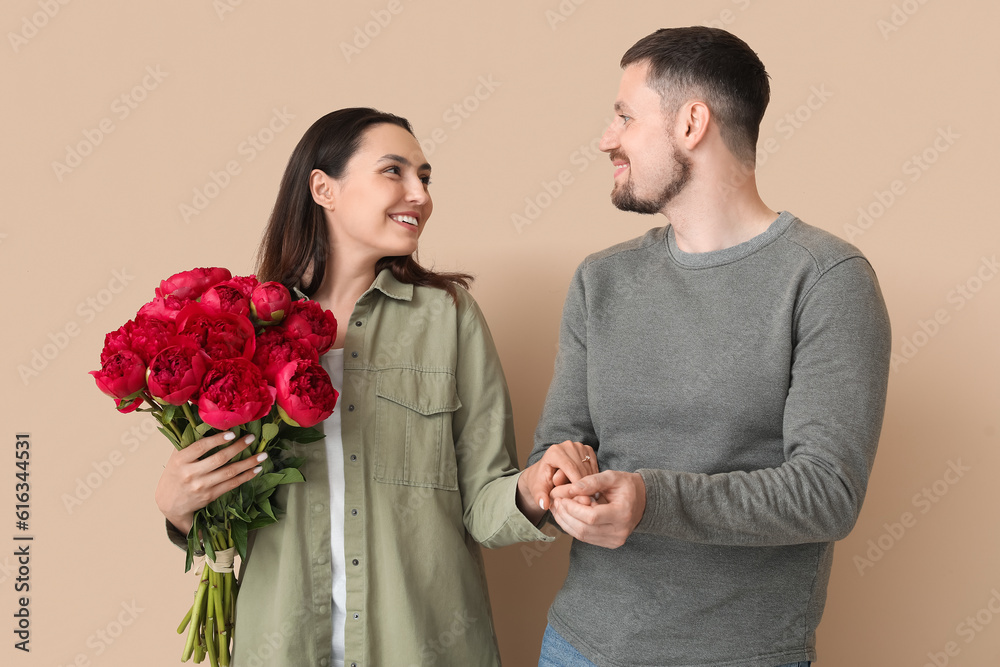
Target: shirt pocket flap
x: 426, y: 392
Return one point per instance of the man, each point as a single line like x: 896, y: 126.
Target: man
x: 729, y: 370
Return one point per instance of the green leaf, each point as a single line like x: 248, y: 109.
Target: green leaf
x: 270, y: 431
x: 302, y: 435
x: 246, y: 496
x: 265, y: 506
x: 291, y: 475
x: 264, y: 495
x: 169, y: 435
x: 266, y: 481
x: 203, y: 428
x: 209, y: 548
x: 191, y: 548
x: 187, y: 437
x: 293, y: 462
x: 239, y: 532
x: 239, y: 514
x: 261, y: 521
x: 168, y: 413
x: 254, y: 427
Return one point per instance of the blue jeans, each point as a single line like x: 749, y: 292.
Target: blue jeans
x: 557, y: 652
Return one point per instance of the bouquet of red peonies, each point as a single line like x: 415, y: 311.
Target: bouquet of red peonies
x: 211, y: 353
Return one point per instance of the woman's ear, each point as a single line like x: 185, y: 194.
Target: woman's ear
x: 322, y: 188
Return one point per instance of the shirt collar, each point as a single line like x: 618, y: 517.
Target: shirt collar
x: 386, y: 283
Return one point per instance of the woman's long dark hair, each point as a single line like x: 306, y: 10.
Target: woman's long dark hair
x: 296, y: 243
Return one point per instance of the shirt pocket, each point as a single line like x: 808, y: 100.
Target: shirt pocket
x: 413, y: 437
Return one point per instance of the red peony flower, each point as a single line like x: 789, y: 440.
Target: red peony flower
x: 305, y: 394
x: 116, y: 341
x: 150, y: 335
x: 245, y: 284
x: 121, y: 375
x: 220, y: 335
x: 275, y: 349
x: 234, y: 392
x: 308, y: 320
x: 144, y: 335
x: 270, y: 302
x: 226, y: 299
x: 165, y: 307
x: 175, y: 374
x: 192, y: 284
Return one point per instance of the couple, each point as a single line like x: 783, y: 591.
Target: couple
x: 726, y: 374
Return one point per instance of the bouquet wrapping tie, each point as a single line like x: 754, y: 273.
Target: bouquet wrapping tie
x: 213, y: 353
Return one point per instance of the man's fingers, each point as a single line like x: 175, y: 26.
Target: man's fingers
x: 584, y: 513
x: 595, y: 524
x: 573, y: 527
x: 585, y: 486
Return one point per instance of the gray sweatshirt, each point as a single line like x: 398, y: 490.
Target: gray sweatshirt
x: 747, y: 386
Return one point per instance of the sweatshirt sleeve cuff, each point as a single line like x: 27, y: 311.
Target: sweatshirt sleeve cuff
x: 649, y: 523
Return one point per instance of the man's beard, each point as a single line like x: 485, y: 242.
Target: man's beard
x: 624, y: 197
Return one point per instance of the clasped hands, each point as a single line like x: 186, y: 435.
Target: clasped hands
x: 598, y: 507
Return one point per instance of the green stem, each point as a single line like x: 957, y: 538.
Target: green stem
x: 190, y: 417
x: 177, y: 432
x: 193, y: 629
x: 184, y: 623
x: 157, y: 411
x: 213, y: 597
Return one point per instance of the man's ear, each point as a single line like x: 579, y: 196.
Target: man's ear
x: 691, y: 124
x: 322, y: 188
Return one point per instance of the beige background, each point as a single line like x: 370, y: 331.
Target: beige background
x: 868, y: 86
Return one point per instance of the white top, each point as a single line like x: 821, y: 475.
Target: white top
x: 333, y: 362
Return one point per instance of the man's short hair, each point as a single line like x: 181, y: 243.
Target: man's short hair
x: 717, y: 67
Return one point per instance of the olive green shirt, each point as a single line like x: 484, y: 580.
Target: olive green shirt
x: 430, y: 472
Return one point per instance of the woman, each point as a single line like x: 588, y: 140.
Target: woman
x: 376, y: 561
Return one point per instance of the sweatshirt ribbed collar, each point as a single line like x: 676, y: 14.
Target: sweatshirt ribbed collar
x: 701, y: 260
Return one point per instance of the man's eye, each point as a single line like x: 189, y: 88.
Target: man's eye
x: 624, y: 118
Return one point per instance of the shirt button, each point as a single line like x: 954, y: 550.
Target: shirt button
x: 324, y: 662
x: 354, y: 354
x: 350, y: 408
x: 354, y: 512
x: 358, y: 323
x: 357, y: 616
x: 321, y: 560
x: 317, y: 507
x: 354, y: 457
x: 323, y: 609
x: 354, y: 562
x: 354, y: 664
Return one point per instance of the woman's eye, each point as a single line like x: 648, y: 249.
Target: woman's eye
x: 392, y: 170
x: 426, y: 180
